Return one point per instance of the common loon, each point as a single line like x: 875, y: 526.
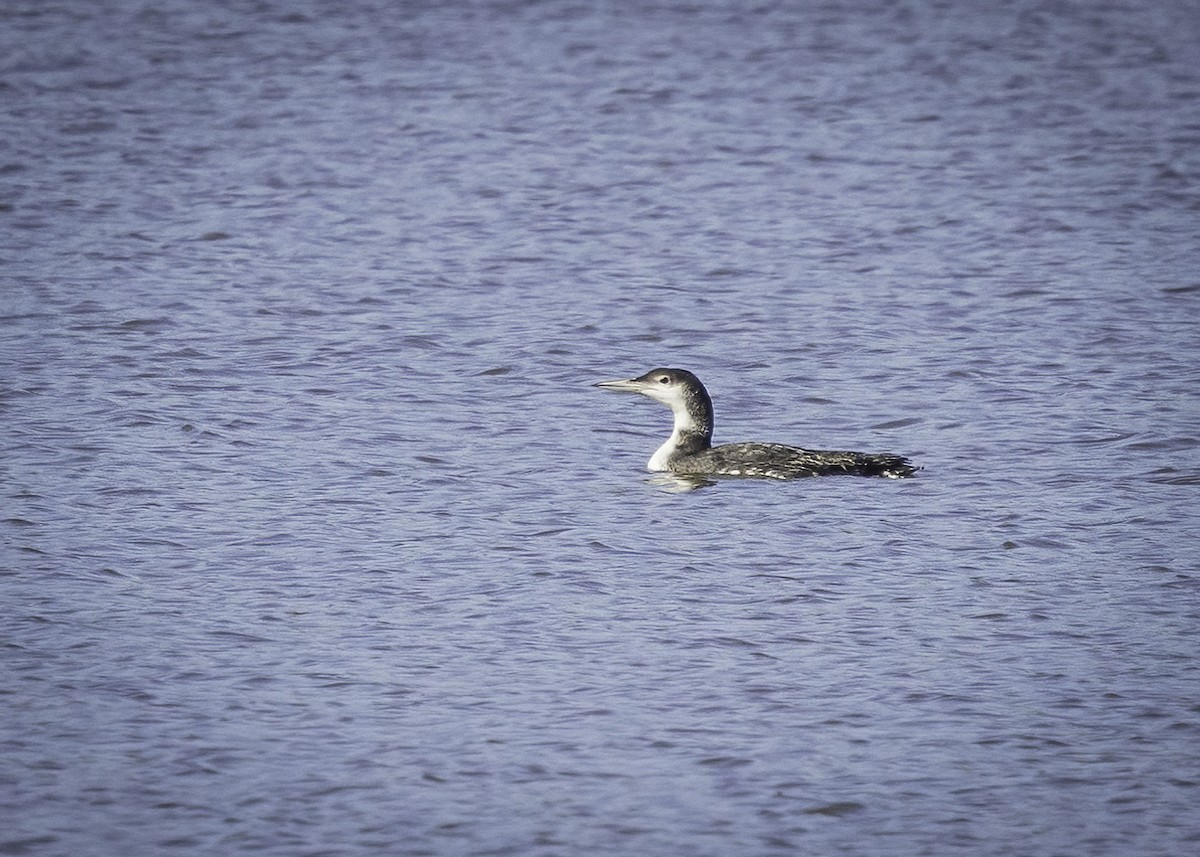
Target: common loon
x: 689, y: 450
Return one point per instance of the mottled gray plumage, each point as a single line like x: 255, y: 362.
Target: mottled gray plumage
x: 689, y: 450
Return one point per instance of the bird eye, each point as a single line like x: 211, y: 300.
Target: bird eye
x: 663, y: 379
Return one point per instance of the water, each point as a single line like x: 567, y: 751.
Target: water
x: 317, y: 541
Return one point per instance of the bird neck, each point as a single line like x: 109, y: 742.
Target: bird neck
x: 692, y: 432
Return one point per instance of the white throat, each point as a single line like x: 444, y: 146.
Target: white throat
x: 683, y: 423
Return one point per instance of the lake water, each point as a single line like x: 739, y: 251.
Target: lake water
x: 317, y: 541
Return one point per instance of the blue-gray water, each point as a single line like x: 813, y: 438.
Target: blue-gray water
x: 316, y: 539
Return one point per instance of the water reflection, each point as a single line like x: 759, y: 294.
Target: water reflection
x: 678, y: 483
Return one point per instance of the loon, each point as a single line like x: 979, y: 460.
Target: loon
x: 689, y: 450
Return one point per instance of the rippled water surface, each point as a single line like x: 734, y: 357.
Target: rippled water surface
x: 316, y: 540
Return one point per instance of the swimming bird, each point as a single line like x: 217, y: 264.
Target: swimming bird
x: 689, y: 450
